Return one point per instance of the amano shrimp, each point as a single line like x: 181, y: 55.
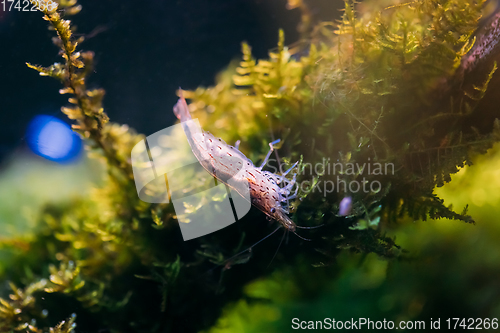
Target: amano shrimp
x: 225, y: 162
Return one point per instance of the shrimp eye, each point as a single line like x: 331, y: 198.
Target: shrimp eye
x: 273, y: 210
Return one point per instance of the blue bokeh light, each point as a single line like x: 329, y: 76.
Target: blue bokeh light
x: 53, y: 139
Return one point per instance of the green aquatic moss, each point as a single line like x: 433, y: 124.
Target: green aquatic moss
x: 386, y: 88
x: 450, y: 271
x: 382, y: 89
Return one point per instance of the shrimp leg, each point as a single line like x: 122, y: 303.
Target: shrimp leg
x: 271, y: 144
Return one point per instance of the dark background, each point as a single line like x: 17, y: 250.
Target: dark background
x: 144, y: 51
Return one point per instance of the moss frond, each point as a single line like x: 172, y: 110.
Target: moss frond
x: 390, y: 88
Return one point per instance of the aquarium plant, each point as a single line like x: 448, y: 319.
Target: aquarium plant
x: 379, y: 109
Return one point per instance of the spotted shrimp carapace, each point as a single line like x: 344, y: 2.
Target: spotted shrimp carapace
x: 230, y: 166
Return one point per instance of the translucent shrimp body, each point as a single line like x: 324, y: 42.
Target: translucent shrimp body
x: 230, y: 166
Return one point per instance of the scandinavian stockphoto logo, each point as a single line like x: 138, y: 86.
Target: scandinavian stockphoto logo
x: 166, y: 170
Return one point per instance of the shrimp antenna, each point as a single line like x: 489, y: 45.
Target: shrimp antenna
x: 317, y: 226
x: 249, y: 248
x: 296, y: 234
x: 240, y: 253
x: 275, y: 253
